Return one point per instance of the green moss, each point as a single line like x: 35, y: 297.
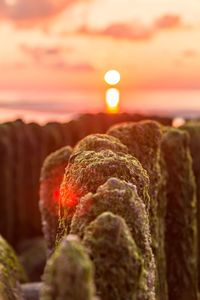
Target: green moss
x: 88, y: 170
x: 193, y: 129
x: 120, y: 198
x: 162, y: 288
x: 9, y: 286
x: 143, y: 140
x: 68, y: 273
x: 11, y: 273
x: 10, y: 261
x: 181, y: 236
x: 98, y: 142
x: 51, y: 177
x: 119, y: 272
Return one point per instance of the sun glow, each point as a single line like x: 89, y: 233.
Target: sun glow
x: 11, y: 2
x: 177, y: 122
x: 112, y: 77
x: 112, y: 100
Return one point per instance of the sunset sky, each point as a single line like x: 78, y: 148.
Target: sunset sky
x: 67, y: 44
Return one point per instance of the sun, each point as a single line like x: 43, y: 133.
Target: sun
x: 112, y: 100
x: 112, y: 77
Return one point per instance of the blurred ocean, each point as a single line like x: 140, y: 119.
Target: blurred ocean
x: 63, y: 105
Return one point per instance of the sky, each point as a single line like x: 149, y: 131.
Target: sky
x: 69, y: 44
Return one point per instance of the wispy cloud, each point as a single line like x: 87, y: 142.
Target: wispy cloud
x: 41, y: 54
x: 53, y: 58
x: 168, y: 22
x: 190, y: 53
x: 135, y: 31
x: 73, y: 67
x: 29, y: 11
x: 120, y: 31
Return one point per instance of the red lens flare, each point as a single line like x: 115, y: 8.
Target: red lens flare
x: 56, y: 195
x: 71, y: 199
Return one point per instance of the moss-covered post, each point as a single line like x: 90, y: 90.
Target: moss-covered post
x: 97, y: 142
x: 87, y: 170
x: 10, y: 288
x: 10, y: 261
x: 181, y: 221
x: 120, y: 198
x: 143, y: 140
x: 68, y: 273
x: 51, y: 177
x: 119, y: 270
x: 193, y: 129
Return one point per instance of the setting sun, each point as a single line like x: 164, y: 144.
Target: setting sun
x: 112, y: 77
x: 112, y: 100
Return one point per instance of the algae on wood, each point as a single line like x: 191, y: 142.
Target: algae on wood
x: 119, y: 270
x: 181, y: 218
x: 87, y: 170
x: 193, y: 129
x: 143, y: 140
x: 98, y: 142
x: 68, y: 273
x: 120, y: 198
x: 51, y: 177
x: 11, y: 273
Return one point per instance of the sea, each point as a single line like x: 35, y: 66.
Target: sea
x: 43, y: 106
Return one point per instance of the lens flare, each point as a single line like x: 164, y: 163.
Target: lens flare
x: 112, y: 77
x: 70, y: 200
x: 56, y: 195
x: 112, y: 100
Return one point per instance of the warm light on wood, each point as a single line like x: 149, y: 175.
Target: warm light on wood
x: 112, y: 100
x: 112, y: 77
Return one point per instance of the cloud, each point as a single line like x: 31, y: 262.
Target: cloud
x: 71, y: 67
x: 135, y: 31
x: 168, y: 22
x: 40, y: 54
x: 53, y: 58
x: 190, y: 53
x: 27, y: 11
x: 120, y: 31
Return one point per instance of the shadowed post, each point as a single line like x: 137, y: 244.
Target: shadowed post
x: 119, y: 270
x: 143, y: 140
x: 120, y: 198
x: 181, y: 218
x: 193, y: 129
x: 88, y: 170
x: 51, y: 177
x: 68, y: 273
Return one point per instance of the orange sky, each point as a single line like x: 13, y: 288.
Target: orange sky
x: 69, y: 44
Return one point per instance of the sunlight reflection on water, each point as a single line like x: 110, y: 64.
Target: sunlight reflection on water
x: 42, y: 107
